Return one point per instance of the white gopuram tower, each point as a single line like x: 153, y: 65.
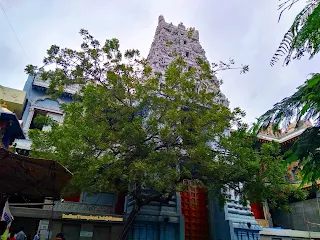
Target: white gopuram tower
x: 234, y: 221
x: 171, y: 39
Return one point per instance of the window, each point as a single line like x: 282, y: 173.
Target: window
x: 34, y: 124
x: 185, y: 42
x: 38, y: 125
x: 54, y: 116
x: 187, y: 54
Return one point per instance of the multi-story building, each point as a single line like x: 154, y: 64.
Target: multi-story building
x: 286, y: 138
x: 304, y: 215
x: 178, y: 220
x: 38, y: 102
x: 82, y: 216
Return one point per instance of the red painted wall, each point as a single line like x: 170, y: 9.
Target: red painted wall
x: 195, y: 212
x: 74, y: 198
x: 257, y: 210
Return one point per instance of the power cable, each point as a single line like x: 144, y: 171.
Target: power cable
x: 4, y: 11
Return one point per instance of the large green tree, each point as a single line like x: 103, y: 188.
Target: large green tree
x: 129, y: 132
x: 302, y: 38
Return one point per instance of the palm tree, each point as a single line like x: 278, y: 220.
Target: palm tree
x: 302, y: 38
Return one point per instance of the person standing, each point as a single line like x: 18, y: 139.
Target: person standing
x: 21, y: 235
x: 60, y: 236
x: 36, y: 236
x: 12, y: 236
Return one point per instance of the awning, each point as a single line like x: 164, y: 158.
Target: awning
x: 30, y: 176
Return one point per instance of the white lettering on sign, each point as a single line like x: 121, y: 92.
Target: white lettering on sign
x: 93, y: 218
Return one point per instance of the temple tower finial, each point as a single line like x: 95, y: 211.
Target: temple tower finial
x: 161, y: 19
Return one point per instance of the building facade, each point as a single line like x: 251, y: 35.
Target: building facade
x: 304, y: 217
x: 157, y: 222
x: 84, y: 220
x: 38, y: 102
x: 284, y: 234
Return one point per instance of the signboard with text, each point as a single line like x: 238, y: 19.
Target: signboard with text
x: 92, y: 218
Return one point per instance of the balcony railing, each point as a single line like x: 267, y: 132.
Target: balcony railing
x: 72, y: 89
x: 73, y: 207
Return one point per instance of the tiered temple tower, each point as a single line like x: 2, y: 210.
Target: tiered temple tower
x: 170, y: 39
x: 232, y: 222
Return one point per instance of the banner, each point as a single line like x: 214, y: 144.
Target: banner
x: 8, y: 218
x: 6, y: 214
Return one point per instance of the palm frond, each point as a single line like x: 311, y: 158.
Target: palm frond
x: 291, y: 42
x: 285, y: 5
x: 284, y: 47
x: 303, y: 104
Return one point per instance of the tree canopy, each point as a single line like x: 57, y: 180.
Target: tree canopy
x: 130, y: 129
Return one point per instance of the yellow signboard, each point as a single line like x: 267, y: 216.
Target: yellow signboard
x: 92, y: 218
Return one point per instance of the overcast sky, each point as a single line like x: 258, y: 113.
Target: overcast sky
x: 245, y: 30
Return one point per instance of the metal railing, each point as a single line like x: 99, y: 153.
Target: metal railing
x: 72, y: 89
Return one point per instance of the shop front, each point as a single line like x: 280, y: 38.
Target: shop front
x: 73, y: 225
x: 86, y: 230
x: 88, y: 227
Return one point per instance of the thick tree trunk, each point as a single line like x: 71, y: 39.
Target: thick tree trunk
x: 128, y: 223
x: 140, y: 202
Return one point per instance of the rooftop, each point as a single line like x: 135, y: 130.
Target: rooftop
x: 281, y: 136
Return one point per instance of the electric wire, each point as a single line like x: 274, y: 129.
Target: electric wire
x: 14, y: 32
